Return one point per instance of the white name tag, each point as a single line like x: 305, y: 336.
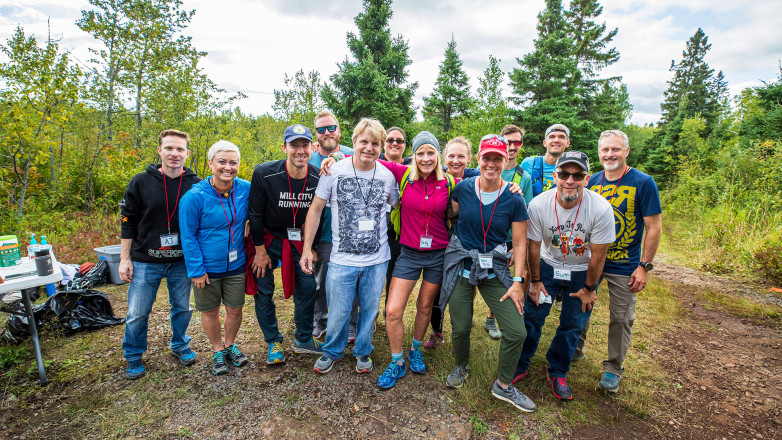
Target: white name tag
x: 562, y: 274
x: 232, y: 256
x: 294, y: 234
x: 484, y: 260
x: 169, y: 240
x: 426, y: 241
x: 366, y: 224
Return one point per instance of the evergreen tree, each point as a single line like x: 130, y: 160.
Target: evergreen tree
x: 488, y: 112
x: 548, y: 83
x: 605, y: 100
x: 374, y: 83
x: 694, y: 91
x: 451, y: 96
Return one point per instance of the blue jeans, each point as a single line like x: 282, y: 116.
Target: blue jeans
x: 571, y: 322
x: 343, y: 284
x: 303, y: 298
x: 321, y: 308
x: 141, y: 295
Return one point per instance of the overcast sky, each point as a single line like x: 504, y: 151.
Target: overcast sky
x: 253, y: 43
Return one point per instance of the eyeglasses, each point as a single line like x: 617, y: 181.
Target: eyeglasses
x: 564, y: 175
x: 331, y: 128
x: 501, y: 138
x: 395, y: 141
x: 515, y: 143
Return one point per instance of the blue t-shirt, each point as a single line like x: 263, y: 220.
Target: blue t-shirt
x: 316, y: 159
x: 548, y: 178
x: 637, y: 197
x: 510, y: 208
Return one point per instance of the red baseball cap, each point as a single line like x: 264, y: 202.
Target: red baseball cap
x: 493, y: 143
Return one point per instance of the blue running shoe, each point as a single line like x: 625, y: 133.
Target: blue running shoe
x: 417, y: 361
x: 219, y: 364
x: 135, y: 370
x: 275, y: 355
x: 610, y: 382
x: 389, y: 377
x: 312, y: 347
x: 186, y: 357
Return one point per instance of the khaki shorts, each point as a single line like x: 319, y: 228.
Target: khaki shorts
x: 228, y: 291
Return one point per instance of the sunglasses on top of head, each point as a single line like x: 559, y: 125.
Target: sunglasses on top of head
x: 331, y: 128
x: 499, y: 137
x: 564, y: 175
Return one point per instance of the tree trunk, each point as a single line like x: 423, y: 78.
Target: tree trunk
x: 23, y: 192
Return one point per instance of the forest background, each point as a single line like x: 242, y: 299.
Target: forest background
x: 73, y: 134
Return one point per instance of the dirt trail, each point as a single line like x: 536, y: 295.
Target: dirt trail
x: 725, y: 373
x: 725, y: 381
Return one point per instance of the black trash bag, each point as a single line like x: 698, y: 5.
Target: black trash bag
x: 99, y: 274
x: 78, y: 310
x: 75, y: 310
x: 17, y: 328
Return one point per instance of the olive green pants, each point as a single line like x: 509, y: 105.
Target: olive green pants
x: 510, y: 322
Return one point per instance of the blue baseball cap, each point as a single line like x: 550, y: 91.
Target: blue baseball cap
x: 297, y: 131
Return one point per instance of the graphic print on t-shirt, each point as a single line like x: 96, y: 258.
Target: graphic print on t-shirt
x: 569, y: 242
x: 352, y: 207
x: 622, y: 199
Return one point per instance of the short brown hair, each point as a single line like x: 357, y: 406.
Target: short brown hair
x: 510, y: 128
x: 323, y: 114
x: 172, y: 132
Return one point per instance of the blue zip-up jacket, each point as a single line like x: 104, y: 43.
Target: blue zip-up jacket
x: 204, y: 228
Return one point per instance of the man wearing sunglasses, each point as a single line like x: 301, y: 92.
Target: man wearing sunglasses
x: 636, y: 204
x: 569, y: 231
x: 327, y: 132
x: 540, y: 168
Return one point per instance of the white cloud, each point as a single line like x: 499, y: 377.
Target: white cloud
x: 253, y: 44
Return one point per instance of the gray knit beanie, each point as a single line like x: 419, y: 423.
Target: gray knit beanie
x: 424, y: 138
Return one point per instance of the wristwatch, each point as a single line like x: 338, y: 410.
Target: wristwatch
x: 590, y: 288
x: 519, y: 279
x: 648, y: 266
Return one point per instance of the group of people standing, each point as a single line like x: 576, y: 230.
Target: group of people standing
x: 345, y: 223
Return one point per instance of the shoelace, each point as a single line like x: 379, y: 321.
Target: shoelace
x: 235, y: 350
x: 392, y: 370
x: 416, y: 356
x: 275, y: 347
x: 610, y: 376
x: 219, y: 357
x: 561, y: 381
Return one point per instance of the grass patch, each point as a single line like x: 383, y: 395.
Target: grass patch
x: 657, y: 310
x: 763, y: 314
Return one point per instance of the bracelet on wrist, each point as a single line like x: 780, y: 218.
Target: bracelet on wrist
x: 535, y: 281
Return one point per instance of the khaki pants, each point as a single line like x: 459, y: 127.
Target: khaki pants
x: 622, y: 316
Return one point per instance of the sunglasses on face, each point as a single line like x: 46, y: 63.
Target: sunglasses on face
x: 515, y: 143
x: 395, y: 141
x: 564, y: 175
x: 330, y: 128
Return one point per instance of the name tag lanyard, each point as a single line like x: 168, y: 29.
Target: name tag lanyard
x: 170, y: 215
x: 564, y: 255
x: 428, y: 216
x: 369, y: 194
x: 295, y: 206
x: 233, y: 217
x: 611, y: 197
x: 485, y: 230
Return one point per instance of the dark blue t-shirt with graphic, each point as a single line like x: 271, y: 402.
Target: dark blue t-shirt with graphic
x: 635, y: 198
x: 510, y: 208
